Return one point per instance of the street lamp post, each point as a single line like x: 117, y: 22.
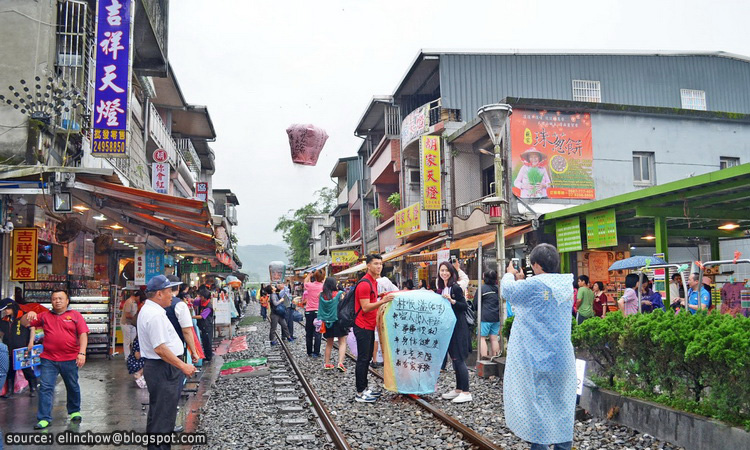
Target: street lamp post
x: 495, y: 118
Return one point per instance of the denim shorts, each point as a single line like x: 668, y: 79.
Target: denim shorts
x: 490, y: 328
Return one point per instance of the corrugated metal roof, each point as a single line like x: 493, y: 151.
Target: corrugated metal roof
x: 469, y: 81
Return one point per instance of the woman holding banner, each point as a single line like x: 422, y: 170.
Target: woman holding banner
x: 458, y: 350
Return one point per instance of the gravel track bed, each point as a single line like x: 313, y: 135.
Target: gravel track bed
x: 485, y: 415
x: 243, y: 413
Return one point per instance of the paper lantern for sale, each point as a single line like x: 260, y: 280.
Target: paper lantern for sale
x: 415, y: 329
x: 277, y: 271
x: 306, y: 142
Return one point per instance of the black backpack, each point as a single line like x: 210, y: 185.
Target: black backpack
x: 347, y: 311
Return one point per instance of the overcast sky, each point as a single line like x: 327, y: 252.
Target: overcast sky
x: 261, y: 66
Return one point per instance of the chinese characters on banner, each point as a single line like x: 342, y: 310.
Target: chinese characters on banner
x: 154, y: 263
x: 415, y: 329
x: 139, y: 265
x: 415, y: 124
x: 112, y: 82
x: 408, y: 220
x: 25, y: 246
x: 160, y: 177
x: 343, y: 257
x: 429, y: 162
x: 201, y: 191
x: 551, y: 154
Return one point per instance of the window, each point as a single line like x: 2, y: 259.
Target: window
x: 587, y: 91
x: 693, y: 99
x: 643, y: 169
x: 488, y: 178
x: 726, y: 162
x: 414, y: 177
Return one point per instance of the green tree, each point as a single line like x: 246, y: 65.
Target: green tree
x: 295, y: 230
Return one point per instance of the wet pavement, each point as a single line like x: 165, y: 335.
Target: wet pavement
x: 110, y: 400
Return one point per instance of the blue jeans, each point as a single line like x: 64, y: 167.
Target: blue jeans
x: 290, y: 320
x: 69, y: 372
x: 560, y: 446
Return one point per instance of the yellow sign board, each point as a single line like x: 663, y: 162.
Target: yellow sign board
x: 24, y: 250
x: 343, y: 257
x: 408, y: 220
x: 429, y: 162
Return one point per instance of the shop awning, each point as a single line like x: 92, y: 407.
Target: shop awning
x: 169, y: 217
x: 353, y: 244
x: 314, y: 268
x: 471, y: 243
x: 399, y: 251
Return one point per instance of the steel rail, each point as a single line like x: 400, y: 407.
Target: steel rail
x: 468, y: 433
x: 337, y: 436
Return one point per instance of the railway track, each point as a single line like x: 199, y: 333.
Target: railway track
x: 347, y: 436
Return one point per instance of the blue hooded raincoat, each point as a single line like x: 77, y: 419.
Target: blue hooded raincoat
x: 539, y: 387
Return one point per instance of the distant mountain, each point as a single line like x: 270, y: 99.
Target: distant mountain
x: 255, y: 259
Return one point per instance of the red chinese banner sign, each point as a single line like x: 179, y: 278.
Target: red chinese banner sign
x: 429, y: 162
x: 112, y: 77
x: 551, y: 154
x: 25, y: 245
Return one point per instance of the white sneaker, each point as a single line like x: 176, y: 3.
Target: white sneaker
x: 450, y: 395
x: 463, y: 397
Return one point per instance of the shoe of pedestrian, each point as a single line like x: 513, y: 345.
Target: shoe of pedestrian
x: 372, y: 393
x: 290, y: 339
x: 341, y: 368
x: 8, y: 394
x: 316, y: 355
x: 274, y: 343
x: 463, y: 397
x: 179, y: 428
x: 75, y: 417
x: 328, y: 367
x: 365, y: 398
x: 42, y: 424
x: 450, y: 395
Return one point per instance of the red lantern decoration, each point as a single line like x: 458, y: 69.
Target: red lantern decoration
x: 306, y: 142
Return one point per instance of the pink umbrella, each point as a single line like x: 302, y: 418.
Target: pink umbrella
x: 306, y: 142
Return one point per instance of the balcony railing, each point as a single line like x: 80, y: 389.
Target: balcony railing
x: 465, y: 210
x: 186, y: 149
x: 419, y: 121
x: 439, y: 114
x: 343, y: 197
x: 160, y: 134
x: 392, y: 120
x: 436, y: 217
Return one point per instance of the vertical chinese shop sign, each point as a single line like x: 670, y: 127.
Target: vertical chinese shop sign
x: 112, y: 82
x: 25, y: 247
x: 429, y: 162
x: 551, y: 154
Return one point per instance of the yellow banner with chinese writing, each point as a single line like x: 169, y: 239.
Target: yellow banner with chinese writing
x: 25, y: 245
x: 341, y: 257
x: 429, y: 162
x: 408, y: 220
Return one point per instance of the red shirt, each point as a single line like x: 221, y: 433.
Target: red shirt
x: 61, y: 333
x: 366, y: 320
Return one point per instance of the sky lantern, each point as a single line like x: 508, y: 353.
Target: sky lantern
x: 306, y: 142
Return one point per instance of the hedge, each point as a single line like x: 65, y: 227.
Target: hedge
x: 698, y: 363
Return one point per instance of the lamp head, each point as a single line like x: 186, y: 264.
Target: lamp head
x: 494, y: 118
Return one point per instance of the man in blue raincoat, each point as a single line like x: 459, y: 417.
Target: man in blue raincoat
x: 539, y: 387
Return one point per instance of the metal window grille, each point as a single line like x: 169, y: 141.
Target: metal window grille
x: 693, y: 99
x: 643, y: 168
x: 75, y: 59
x: 726, y: 162
x: 587, y: 91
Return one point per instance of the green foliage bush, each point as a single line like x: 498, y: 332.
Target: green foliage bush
x: 698, y: 363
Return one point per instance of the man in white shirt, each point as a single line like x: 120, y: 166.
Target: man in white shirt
x: 161, y: 347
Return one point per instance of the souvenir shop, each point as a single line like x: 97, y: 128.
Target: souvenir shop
x: 699, y: 225
x: 83, y: 232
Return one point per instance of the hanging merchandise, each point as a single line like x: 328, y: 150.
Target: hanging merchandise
x: 306, y: 142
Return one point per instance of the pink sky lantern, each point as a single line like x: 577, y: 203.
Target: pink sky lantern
x: 306, y: 142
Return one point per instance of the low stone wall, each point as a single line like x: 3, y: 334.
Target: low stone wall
x: 687, y: 430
